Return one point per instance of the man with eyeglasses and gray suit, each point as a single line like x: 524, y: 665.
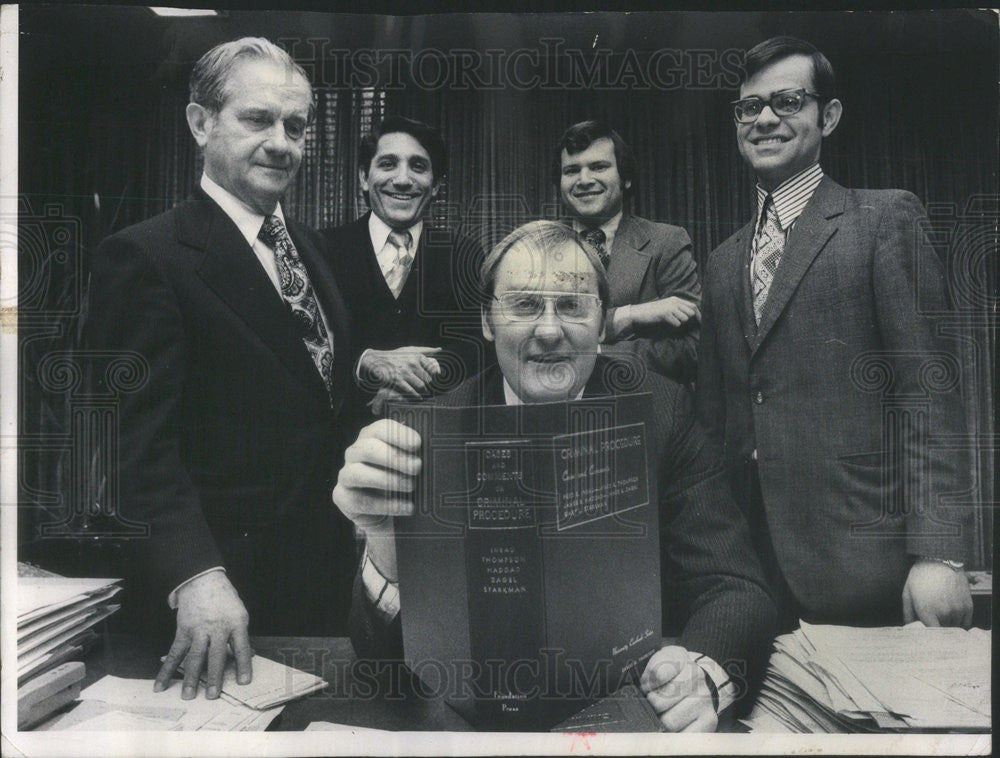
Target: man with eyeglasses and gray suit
x: 814, y: 315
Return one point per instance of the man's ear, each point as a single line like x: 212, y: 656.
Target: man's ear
x: 832, y: 112
x: 200, y: 121
x: 436, y: 186
x: 484, y: 314
x: 363, y: 178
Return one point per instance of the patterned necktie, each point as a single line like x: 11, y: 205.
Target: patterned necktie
x: 769, y: 244
x: 297, y: 292
x: 597, y: 238
x: 396, y: 277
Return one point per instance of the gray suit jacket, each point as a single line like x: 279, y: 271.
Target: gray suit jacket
x: 651, y: 261
x: 836, y: 390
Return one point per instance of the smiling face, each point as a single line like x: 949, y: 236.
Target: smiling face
x: 777, y: 148
x: 590, y: 184
x: 253, y: 144
x: 547, y: 359
x: 400, y: 180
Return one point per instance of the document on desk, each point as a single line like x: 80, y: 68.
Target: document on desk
x: 116, y: 704
x: 934, y: 678
x: 273, y: 684
x: 897, y: 679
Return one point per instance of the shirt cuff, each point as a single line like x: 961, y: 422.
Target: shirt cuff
x: 383, y: 593
x: 172, y: 597
x: 725, y: 688
x: 357, y: 367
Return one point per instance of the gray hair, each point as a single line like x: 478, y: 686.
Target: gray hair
x: 211, y: 73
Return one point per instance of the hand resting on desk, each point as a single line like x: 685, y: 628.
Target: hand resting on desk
x: 937, y: 595
x: 210, y: 615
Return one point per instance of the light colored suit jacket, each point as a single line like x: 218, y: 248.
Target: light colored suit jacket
x: 844, y: 390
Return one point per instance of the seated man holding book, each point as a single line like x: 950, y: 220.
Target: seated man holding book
x: 545, y: 298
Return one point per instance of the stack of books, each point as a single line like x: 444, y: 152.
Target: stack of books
x: 887, y: 679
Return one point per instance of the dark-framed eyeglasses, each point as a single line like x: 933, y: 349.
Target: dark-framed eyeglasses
x: 526, y: 306
x: 785, y: 103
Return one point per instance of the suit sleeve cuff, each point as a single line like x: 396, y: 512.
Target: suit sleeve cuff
x: 719, y: 682
x: 618, y: 325
x: 172, y: 597
x: 383, y: 594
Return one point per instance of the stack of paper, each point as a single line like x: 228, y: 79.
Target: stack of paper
x: 888, y: 679
x: 54, y: 614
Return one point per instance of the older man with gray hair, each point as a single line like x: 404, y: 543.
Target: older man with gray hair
x: 227, y: 452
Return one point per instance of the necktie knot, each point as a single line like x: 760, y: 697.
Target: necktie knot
x: 401, y: 241
x: 597, y: 238
x: 272, y: 231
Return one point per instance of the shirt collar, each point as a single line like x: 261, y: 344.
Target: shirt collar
x: 379, y: 231
x: 247, y: 220
x: 510, y: 397
x: 609, y: 227
x: 791, y: 196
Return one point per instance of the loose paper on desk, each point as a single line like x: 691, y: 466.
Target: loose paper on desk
x: 935, y: 678
x: 848, y: 679
x: 273, y: 684
x: 116, y: 704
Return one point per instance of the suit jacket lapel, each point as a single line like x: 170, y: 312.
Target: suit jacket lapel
x: 809, y: 235
x: 628, y: 264
x: 231, y: 269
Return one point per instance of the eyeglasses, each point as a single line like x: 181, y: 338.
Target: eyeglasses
x: 785, y: 103
x: 571, y: 307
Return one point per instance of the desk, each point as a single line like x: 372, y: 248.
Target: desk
x: 361, y: 693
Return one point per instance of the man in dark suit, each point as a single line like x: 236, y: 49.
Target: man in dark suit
x: 655, y: 293
x: 825, y: 291
x: 409, y: 287
x: 544, y: 311
x: 228, y: 450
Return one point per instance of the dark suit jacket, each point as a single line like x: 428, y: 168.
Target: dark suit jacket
x: 714, y: 595
x: 844, y: 328
x: 228, y: 449
x: 650, y: 261
x: 438, y: 306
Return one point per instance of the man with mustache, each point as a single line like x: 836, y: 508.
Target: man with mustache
x: 227, y: 450
x: 544, y: 309
x: 655, y: 293
x: 409, y: 286
x: 825, y: 290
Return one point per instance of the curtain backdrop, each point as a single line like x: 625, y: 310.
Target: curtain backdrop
x: 104, y: 145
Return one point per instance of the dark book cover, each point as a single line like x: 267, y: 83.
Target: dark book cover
x: 530, y: 572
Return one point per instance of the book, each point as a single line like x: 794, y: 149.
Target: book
x: 529, y: 575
